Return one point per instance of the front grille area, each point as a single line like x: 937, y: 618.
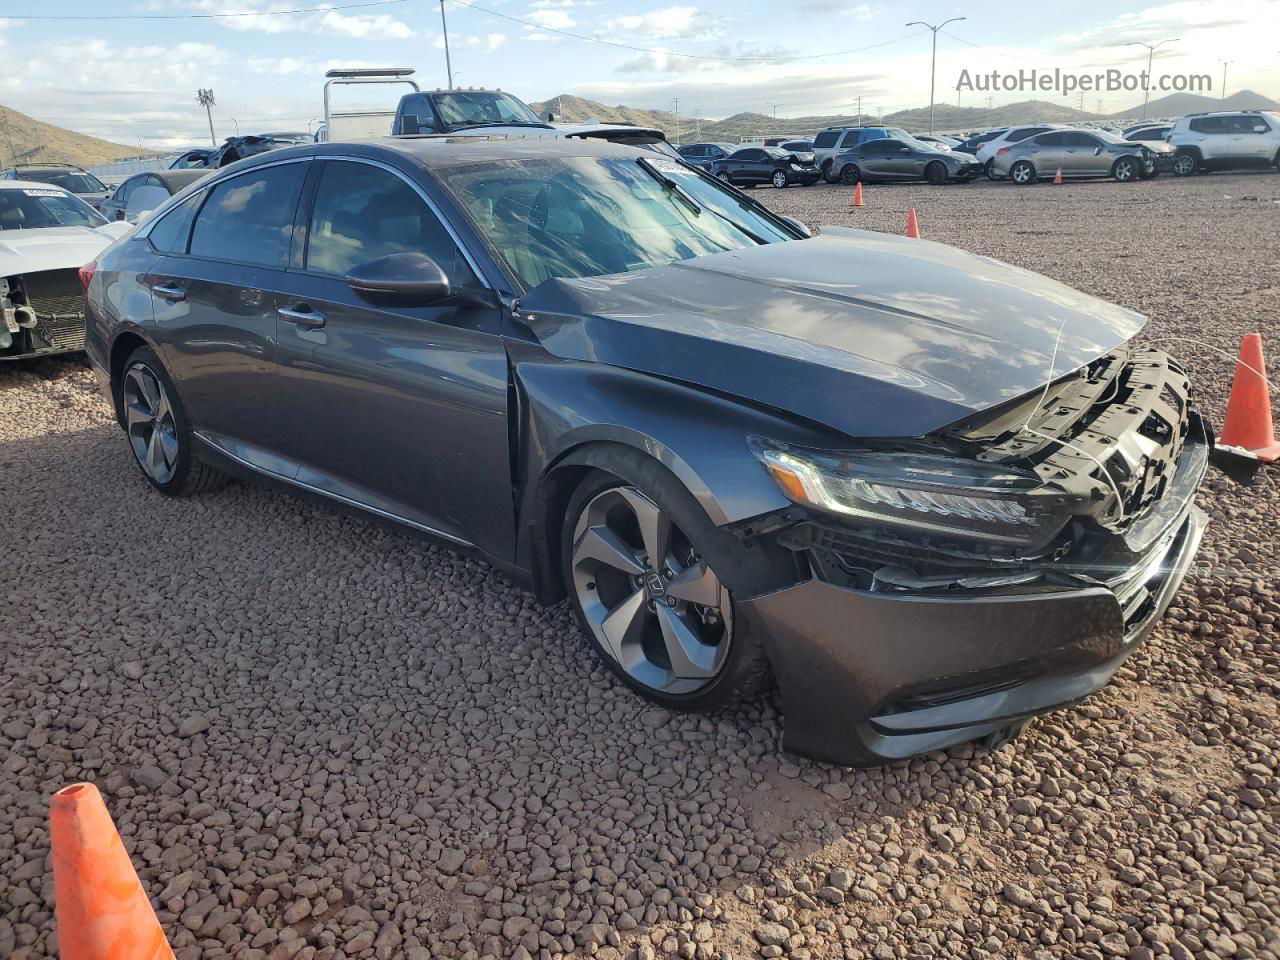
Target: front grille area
x: 58, y: 301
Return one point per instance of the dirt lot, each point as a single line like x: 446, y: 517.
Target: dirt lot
x: 322, y: 738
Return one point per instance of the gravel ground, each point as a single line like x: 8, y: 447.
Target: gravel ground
x: 324, y: 738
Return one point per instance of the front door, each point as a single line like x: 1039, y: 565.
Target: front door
x: 399, y: 408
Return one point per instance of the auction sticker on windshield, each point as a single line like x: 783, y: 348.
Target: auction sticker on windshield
x: 43, y: 193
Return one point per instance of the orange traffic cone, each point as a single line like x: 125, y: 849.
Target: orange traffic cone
x: 857, y: 196
x: 103, y: 912
x: 913, y: 225
x: 1057, y: 177
x: 1248, y: 425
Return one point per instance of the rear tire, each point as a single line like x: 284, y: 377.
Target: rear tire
x: 599, y: 589
x: 1022, y: 173
x: 936, y: 173
x: 990, y: 170
x: 850, y: 174
x: 159, y: 430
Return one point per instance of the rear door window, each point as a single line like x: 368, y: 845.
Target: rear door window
x: 827, y: 138
x: 171, y: 232
x: 249, y: 218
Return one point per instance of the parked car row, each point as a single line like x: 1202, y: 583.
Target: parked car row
x: 1023, y: 154
x: 625, y: 383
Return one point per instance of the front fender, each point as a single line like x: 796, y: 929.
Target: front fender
x: 701, y: 437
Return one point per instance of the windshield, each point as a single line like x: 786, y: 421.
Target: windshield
x: 29, y: 208
x: 464, y: 107
x: 590, y: 216
x: 1108, y: 136
x: 77, y: 181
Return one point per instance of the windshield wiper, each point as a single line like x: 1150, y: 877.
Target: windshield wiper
x: 468, y: 124
x: 671, y: 185
x: 687, y: 197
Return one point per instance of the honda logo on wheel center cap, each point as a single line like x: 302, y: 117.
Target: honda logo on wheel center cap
x: 654, y: 585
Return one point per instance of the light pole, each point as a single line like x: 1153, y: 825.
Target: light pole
x: 934, y: 68
x: 237, y: 125
x: 675, y: 109
x: 859, y: 123
x: 775, y: 109
x: 444, y: 28
x: 1224, y: 77
x: 1151, y: 50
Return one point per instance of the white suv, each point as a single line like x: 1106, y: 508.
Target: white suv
x: 1225, y: 141
x: 987, y: 151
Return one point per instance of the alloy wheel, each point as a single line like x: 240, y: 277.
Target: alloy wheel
x: 1022, y: 173
x: 936, y: 173
x: 651, y: 601
x: 1125, y: 170
x: 149, y: 423
x: 1184, y: 164
x: 724, y: 176
x: 779, y: 179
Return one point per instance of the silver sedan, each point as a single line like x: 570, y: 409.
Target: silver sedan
x: 1078, y: 153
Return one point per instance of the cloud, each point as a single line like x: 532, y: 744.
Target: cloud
x: 670, y: 23
x: 661, y: 61
x: 551, y: 19
x: 378, y: 26
x: 842, y: 8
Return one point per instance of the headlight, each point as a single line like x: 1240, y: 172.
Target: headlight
x: 922, y: 492
x: 795, y: 166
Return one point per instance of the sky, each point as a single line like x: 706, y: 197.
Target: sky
x: 135, y: 80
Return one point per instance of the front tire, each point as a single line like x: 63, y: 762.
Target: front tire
x: 1022, y: 173
x: 990, y: 170
x: 723, y: 175
x: 779, y: 179
x: 1126, y: 170
x: 646, y: 596
x: 936, y: 173
x: 159, y: 430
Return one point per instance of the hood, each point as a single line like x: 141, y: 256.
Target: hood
x: 1158, y: 146
x: 54, y: 248
x: 870, y: 334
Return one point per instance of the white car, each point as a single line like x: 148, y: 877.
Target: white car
x: 1234, y: 140
x: 46, y: 235
x: 987, y: 151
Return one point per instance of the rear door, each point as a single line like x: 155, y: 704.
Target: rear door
x: 215, y: 290
x: 875, y: 161
x: 1046, y: 152
x: 402, y: 409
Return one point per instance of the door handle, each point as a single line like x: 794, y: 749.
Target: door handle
x: 302, y: 315
x: 169, y: 291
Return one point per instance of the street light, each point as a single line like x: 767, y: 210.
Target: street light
x: 775, y: 109
x: 933, y: 69
x: 1151, y: 49
x: 1224, y: 76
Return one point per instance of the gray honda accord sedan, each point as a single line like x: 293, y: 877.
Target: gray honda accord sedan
x: 929, y: 494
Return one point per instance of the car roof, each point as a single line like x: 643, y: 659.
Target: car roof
x: 440, y: 152
x: 31, y: 185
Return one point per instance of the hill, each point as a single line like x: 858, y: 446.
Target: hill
x: 575, y: 109
x: 24, y: 139
x: 740, y: 125
x: 1180, y: 104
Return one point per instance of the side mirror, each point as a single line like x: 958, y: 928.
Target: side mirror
x: 1097, y: 151
x: 551, y: 117
x: 406, y: 279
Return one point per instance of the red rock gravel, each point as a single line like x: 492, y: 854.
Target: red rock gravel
x: 322, y: 738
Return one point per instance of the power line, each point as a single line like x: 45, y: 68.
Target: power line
x: 203, y: 16
x: 672, y: 53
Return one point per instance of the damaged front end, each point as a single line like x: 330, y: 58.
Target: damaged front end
x: 43, y: 313
x: 1001, y: 567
